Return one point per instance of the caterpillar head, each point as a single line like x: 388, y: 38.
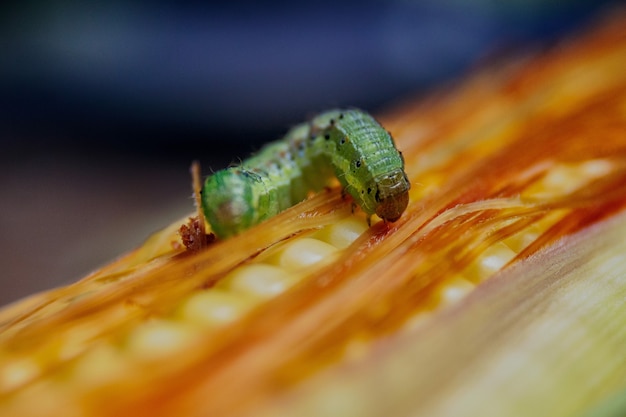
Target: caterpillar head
x: 392, y: 195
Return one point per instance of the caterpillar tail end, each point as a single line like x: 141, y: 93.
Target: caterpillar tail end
x: 229, y: 202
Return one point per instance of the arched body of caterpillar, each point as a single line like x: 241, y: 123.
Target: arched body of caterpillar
x: 348, y: 144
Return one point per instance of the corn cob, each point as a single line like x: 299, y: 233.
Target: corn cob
x: 501, y: 291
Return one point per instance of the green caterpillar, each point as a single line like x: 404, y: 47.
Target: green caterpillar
x: 349, y: 144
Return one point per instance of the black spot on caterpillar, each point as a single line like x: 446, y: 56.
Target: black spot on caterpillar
x: 349, y: 144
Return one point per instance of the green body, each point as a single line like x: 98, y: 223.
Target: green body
x: 350, y: 145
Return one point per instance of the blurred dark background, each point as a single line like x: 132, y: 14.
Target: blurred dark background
x: 103, y: 105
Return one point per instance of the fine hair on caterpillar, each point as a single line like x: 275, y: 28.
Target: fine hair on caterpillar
x: 347, y: 144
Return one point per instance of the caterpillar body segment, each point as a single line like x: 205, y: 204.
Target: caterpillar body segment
x: 348, y: 144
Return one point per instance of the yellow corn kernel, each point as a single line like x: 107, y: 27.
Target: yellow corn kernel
x: 158, y: 338
x: 258, y: 280
x: 305, y: 252
x: 214, y: 307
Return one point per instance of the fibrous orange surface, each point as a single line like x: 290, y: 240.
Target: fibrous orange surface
x: 500, y: 291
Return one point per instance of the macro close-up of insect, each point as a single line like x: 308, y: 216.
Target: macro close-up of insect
x: 391, y: 213
x: 349, y: 144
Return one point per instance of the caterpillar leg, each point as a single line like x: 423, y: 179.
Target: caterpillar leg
x: 344, y: 193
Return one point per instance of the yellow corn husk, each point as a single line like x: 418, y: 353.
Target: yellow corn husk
x: 500, y: 292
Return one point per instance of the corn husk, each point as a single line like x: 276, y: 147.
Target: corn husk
x: 518, y: 192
